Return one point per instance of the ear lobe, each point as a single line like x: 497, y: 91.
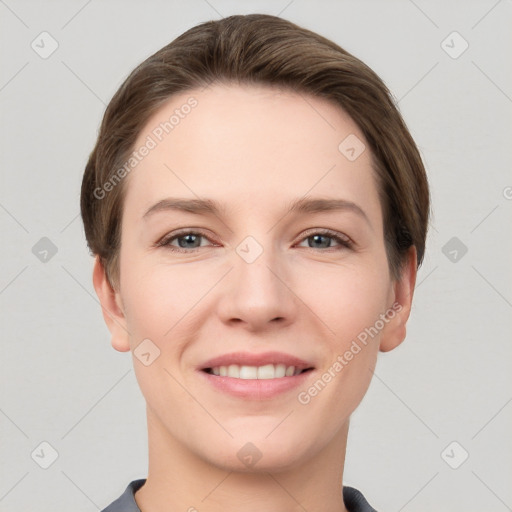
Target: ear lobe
x: 112, y: 308
x: 403, y: 290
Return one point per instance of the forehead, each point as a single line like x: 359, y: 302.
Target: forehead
x: 251, y: 147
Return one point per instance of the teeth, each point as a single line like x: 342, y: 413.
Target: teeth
x: 248, y: 372
x: 280, y: 371
x: 268, y: 371
x: 233, y: 371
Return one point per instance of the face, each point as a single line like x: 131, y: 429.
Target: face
x: 254, y: 291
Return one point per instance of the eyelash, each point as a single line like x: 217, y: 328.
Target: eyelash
x: 344, y: 242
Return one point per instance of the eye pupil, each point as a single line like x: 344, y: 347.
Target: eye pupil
x: 317, y: 237
x: 190, y: 238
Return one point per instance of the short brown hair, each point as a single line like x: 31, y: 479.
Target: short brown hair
x: 260, y: 49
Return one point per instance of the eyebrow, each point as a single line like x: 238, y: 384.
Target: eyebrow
x: 302, y: 205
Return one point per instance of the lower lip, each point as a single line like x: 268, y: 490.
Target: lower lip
x: 255, y: 389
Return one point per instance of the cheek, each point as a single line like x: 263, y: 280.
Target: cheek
x: 350, y: 302
x: 346, y: 298
x: 161, y: 298
x: 162, y: 301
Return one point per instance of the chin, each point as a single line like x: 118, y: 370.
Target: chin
x: 259, y: 454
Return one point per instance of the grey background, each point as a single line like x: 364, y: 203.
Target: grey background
x: 62, y: 383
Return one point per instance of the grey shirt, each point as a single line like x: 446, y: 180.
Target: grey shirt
x: 354, y: 500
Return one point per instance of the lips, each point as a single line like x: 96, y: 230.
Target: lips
x: 255, y: 376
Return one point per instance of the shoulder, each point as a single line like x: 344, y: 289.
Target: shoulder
x: 126, y: 502
x: 355, y: 501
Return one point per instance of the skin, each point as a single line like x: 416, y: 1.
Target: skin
x: 254, y: 149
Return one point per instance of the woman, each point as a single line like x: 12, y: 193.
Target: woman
x: 258, y: 211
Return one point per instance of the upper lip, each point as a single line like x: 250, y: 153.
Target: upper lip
x: 251, y: 359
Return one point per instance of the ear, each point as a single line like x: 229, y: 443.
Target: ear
x: 112, y: 308
x: 401, y: 301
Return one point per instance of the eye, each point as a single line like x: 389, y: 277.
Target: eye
x: 320, y: 239
x: 188, y: 241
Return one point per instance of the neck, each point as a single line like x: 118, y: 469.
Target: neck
x: 181, y: 480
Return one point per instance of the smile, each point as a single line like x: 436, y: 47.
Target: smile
x: 265, y: 372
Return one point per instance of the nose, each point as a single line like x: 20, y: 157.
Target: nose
x: 258, y: 294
